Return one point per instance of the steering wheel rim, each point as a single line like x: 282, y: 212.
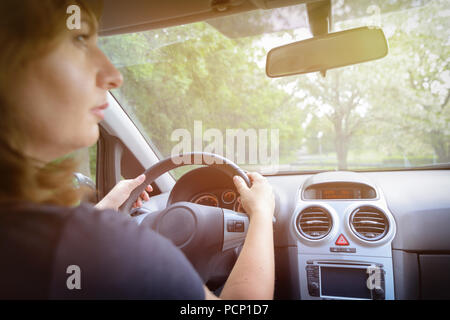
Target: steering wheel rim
x: 173, y: 162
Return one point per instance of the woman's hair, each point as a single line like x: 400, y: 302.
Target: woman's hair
x: 30, y: 29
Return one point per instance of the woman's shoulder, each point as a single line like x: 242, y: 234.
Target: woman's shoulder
x: 117, y: 258
x: 84, y: 218
x: 112, y: 250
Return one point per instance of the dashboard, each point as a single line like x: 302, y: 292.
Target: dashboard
x: 347, y: 235
x: 341, y: 225
x: 417, y: 251
x: 207, y: 186
x: 223, y: 198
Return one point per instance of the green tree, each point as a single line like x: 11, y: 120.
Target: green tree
x: 200, y: 75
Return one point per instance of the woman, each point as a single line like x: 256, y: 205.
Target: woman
x: 53, y: 83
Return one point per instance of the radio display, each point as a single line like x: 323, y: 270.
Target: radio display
x: 337, y: 194
x: 344, y: 282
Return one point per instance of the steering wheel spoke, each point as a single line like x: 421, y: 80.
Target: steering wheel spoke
x: 235, y: 227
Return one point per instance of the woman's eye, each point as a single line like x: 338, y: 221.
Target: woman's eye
x: 82, y: 38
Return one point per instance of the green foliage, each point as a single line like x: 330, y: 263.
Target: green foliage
x: 394, y: 108
x: 184, y: 81
x: 93, y: 162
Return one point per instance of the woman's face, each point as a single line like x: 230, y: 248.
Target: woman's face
x: 62, y: 94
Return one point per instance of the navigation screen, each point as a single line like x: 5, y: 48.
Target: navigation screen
x: 344, y: 282
x: 337, y: 194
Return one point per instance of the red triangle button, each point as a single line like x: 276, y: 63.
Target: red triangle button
x: 341, y: 241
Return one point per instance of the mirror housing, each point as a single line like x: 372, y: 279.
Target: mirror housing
x: 327, y: 52
x: 89, y: 185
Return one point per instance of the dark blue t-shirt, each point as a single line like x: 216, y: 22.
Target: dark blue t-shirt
x: 52, y: 252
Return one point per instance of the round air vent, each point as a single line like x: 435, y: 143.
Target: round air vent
x: 369, y: 223
x: 314, y: 223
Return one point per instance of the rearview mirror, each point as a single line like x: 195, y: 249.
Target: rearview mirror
x: 326, y: 52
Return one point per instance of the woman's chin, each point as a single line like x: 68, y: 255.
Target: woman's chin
x: 92, y: 138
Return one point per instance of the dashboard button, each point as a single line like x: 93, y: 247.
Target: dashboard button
x: 239, y: 226
x: 235, y: 226
x: 340, y: 249
x: 341, y: 241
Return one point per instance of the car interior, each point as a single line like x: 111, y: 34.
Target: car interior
x: 349, y: 229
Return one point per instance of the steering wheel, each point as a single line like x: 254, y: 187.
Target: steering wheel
x: 201, y: 232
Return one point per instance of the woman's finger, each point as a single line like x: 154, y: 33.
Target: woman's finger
x: 144, y: 196
x: 255, y: 176
x: 241, y: 186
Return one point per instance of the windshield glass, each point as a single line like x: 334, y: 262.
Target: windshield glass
x: 203, y: 87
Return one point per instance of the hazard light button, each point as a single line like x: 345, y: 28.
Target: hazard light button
x: 342, y: 241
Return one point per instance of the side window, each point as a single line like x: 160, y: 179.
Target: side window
x: 87, y: 170
x: 88, y: 165
x: 93, y: 163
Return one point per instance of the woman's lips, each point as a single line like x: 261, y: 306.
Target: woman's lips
x: 100, y: 111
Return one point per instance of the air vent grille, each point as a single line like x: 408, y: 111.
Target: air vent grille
x: 369, y: 223
x: 314, y: 223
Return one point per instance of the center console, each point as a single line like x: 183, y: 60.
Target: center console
x: 344, y: 232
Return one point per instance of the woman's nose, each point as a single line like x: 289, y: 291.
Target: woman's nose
x: 108, y: 76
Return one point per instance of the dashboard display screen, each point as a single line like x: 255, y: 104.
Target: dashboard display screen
x: 344, y: 282
x: 337, y: 194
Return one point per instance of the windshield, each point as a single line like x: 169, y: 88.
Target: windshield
x: 203, y: 87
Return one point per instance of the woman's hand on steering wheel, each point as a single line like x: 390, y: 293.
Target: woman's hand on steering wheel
x: 121, y: 191
x: 259, y: 198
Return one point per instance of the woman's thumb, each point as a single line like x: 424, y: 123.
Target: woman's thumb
x: 138, y: 180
